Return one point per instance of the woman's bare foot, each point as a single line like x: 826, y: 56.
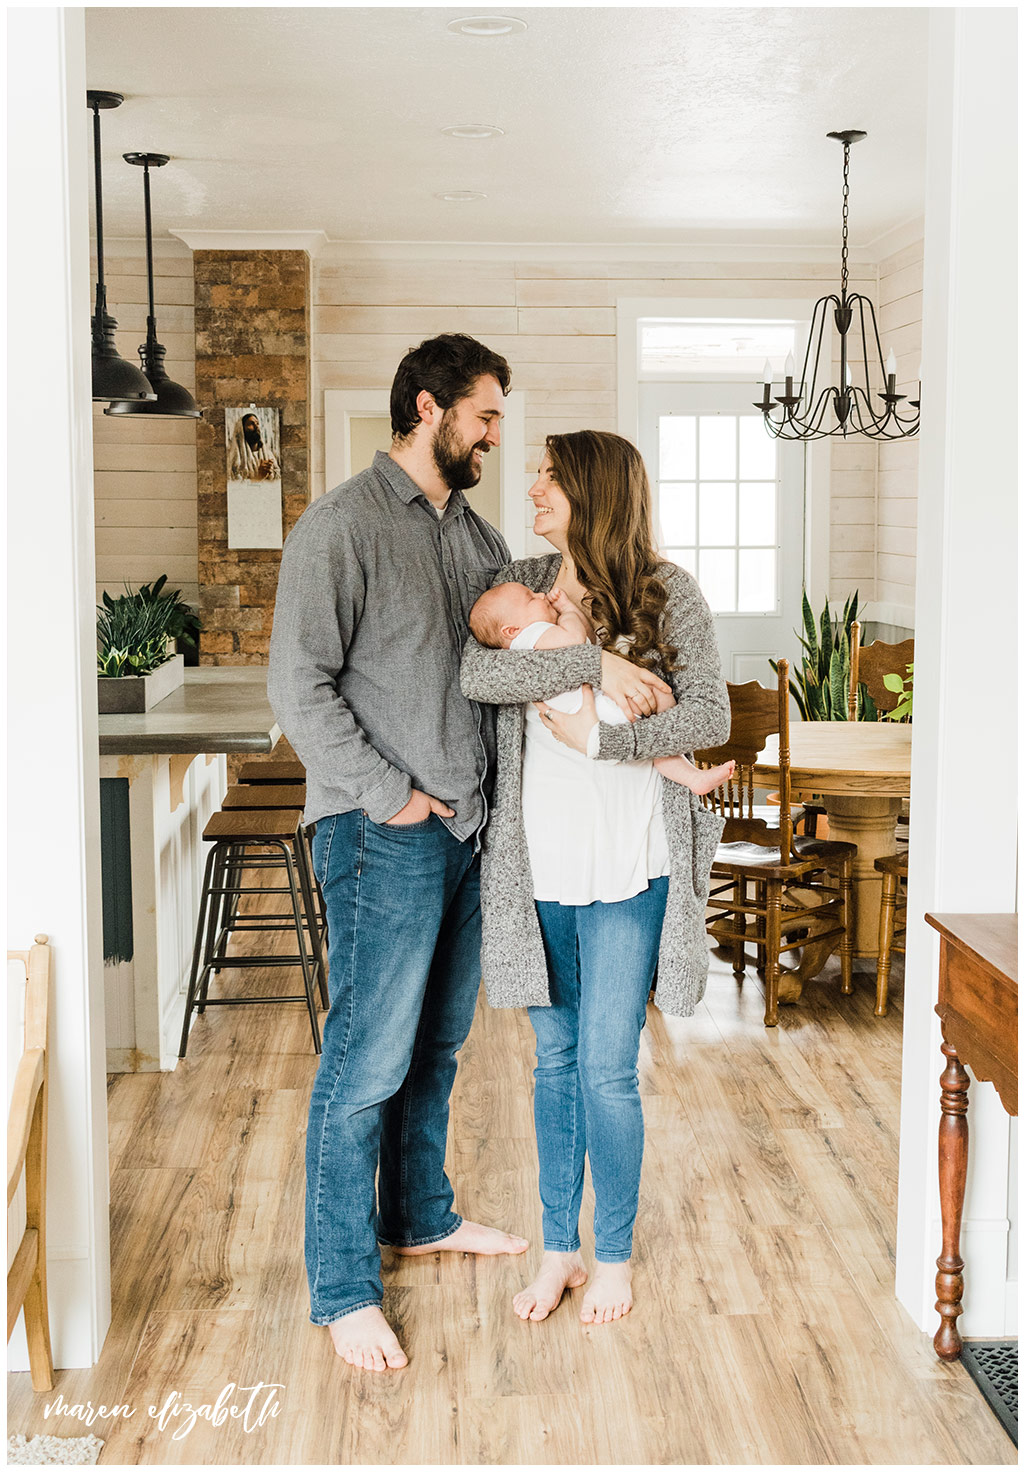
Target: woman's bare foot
x: 610, y: 1295
x: 557, y: 1272
x: 699, y: 780
x: 470, y: 1237
x: 366, y: 1340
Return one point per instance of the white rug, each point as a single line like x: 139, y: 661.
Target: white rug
x: 53, y: 1451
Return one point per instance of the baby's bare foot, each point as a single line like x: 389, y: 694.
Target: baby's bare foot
x: 699, y: 780
x: 470, y: 1237
x: 558, y: 1271
x: 610, y: 1295
x: 366, y: 1340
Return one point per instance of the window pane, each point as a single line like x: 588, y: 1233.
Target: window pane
x: 683, y: 556
x: 718, y: 580
x: 716, y: 345
x: 757, y: 450
x: 678, y: 506
x: 717, y: 446
x: 757, y: 514
x: 717, y: 515
x: 677, y: 447
x: 757, y: 582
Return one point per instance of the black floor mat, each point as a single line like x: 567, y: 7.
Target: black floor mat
x: 992, y: 1365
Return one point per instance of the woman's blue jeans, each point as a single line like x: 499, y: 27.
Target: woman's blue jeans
x: 601, y: 961
x: 403, y: 910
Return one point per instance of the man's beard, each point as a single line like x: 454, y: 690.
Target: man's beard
x: 454, y: 461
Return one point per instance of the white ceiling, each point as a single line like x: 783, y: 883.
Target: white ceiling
x: 662, y: 125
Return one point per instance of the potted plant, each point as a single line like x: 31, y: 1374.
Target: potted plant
x: 136, y: 666
x: 821, y: 685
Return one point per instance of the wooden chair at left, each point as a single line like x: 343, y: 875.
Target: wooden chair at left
x: 769, y: 888
x: 26, y: 1156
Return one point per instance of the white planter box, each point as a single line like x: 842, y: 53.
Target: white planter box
x: 135, y: 694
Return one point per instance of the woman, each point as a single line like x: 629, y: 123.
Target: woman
x: 584, y: 967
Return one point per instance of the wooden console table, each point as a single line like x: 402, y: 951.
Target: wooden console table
x: 978, y: 1009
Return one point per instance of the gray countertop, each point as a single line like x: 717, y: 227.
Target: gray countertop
x: 217, y: 709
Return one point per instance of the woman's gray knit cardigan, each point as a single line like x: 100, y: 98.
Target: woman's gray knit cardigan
x: 513, y: 952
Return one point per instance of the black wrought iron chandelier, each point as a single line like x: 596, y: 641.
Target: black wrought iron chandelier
x: 172, y: 400
x: 812, y: 407
x: 113, y: 377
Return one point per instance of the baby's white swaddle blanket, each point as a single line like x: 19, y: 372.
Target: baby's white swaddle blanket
x: 594, y: 829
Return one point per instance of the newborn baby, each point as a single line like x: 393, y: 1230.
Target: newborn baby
x: 510, y: 616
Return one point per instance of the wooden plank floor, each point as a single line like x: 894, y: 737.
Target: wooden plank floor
x: 765, y: 1328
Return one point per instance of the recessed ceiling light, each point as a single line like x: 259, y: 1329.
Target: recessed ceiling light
x: 487, y: 25
x: 473, y: 130
x: 460, y: 196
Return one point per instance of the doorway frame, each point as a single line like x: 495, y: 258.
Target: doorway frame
x: 342, y: 405
x: 630, y: 311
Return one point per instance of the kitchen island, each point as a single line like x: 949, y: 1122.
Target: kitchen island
x: 162, y: 774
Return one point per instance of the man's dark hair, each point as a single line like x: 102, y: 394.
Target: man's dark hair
x: 447, y: 367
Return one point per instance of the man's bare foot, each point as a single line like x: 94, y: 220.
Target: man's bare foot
x: 610, y: 1295
x: 366, y: 1340
x: 470, y: 1237
x: 557, y: 1272
x: 699, y: 780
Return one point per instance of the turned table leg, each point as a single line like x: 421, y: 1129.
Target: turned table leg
x: 949, y: 1283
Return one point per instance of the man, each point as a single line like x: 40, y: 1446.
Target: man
x: 377, y: 580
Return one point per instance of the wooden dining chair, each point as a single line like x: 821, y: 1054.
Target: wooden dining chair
x: 892, y: 922
x: 26, y: 1157
x: 769, y: 887
x: 869, y: 664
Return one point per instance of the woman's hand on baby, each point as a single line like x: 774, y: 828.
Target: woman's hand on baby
x: 636, y: 691
x: 571, y: 730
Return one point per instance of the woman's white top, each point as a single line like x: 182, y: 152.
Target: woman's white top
x: 594, y: 829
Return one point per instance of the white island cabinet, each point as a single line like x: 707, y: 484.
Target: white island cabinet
x: 162, y: 774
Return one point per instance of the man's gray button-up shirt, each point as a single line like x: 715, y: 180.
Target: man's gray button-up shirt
x: 372, y: 614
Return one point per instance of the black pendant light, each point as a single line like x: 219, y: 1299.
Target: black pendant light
x: 113, y: 377
x: 172, y: 401
x: 803, y: 409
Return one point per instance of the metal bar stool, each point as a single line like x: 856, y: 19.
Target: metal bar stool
x: 233, y: 833
x: 287, y: 796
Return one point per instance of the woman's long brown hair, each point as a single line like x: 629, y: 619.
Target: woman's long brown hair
x: 611, y: 541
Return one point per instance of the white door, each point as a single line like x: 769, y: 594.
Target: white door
x: 729, y: 507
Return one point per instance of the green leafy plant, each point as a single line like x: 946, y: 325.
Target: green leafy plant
x: 133, y: 631
x: 903, y: 710
x: 821, y: 686
x: 182, y: 619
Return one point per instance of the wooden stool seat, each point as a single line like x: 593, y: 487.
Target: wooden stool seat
x: 272, y: 773
x: 897, y: 864
x: 263, y: 795
x: 252, y: 824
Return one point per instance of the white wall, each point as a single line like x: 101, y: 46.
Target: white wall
x: 53, y: 794
x: 963, y: 849
x: 146, y: 488
x: 900, y: 278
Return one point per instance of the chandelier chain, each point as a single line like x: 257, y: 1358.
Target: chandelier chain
x: 846, y: 218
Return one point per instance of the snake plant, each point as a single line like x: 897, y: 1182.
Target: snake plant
x: 133, y: 631
x: 821, y: 686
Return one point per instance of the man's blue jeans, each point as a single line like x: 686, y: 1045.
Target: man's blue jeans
x: 403, y: 910
x: 601, y: 961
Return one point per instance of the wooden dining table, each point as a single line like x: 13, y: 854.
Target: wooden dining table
x: 859, y: 771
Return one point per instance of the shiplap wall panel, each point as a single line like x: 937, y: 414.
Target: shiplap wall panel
x: 562, y: 347
x: 900, y: 279
x: 145, y: 469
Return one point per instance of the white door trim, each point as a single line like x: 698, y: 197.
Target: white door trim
x: 342, y: 405
x: 629, y: 311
